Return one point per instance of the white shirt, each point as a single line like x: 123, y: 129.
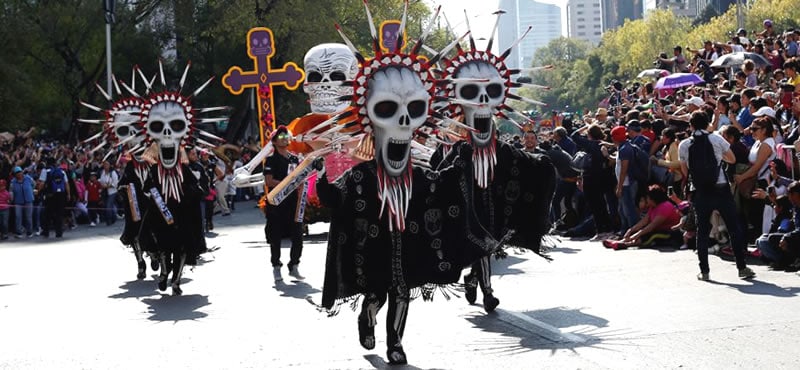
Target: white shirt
x: 763, y: 173
x: 111, y: 179
x: 720, y: 147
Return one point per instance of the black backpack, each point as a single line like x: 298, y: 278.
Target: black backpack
x: 703, y: 165
x: 639, y: 168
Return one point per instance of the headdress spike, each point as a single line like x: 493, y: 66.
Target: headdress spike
x: 375, y: 47
x: 471, y: 40
x: 421, y: 41
x: 200, y: 89
x: 350, y: 44
x: 494, y: 30
x: 103, y: 92
x: 402, y: 30
x: 508, y: 51
x: 116, y: 85
x: 185, y: 73
x: 161, y: 73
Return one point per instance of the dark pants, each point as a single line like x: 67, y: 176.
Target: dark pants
x: 94, y: 207
x: 720, y: 199
x: 54, y: 213
x: 565, y: 190
x: 595, y: 188
x: 276, y: 229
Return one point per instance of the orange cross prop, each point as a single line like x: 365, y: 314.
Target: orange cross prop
x: 260, y: 48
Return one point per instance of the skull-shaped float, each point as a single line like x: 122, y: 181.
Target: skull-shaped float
x: 327, y: 63
x: 397, y: 105
x: 167, y: 124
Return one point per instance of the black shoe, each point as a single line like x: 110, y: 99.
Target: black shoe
x: 366, y: 333
x: 154, y: 264
x: 490, y: 302
x: 176, y: 289
x: 396, y: 355
x: 162, y: 283
x: 142, y: 268
x: 470, y: 289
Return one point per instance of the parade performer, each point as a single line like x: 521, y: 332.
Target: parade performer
x: 172, y: 218
x: 121, y: 127
x: 514, y: 188
x: 396, y: 230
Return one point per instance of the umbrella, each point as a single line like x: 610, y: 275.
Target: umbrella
x: 653, y: 73
x: 737, y: 59
x: 677, y: 80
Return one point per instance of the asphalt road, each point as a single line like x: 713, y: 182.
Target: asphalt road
x: 75, y: 304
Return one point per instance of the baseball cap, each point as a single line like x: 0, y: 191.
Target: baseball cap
x: 741, y: 31
x: 765, y: 111
x: 619, y: 134
x: 17, y: 169
x: 767, y: 23
x: 634, y: 125
x: 695, y: 100
x: 280, y: 130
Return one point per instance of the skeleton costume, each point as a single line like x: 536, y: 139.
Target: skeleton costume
x: 173, y: 224
x: 389, y: 235
x: 121, y: 128
x: 514, y: 188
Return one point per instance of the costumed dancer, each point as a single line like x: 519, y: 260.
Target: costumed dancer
x: 121, y: 127
x: 514, y: 188
x: 173, y: 224
x: 391, y: 237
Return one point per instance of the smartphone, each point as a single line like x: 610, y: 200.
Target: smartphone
x: 670, y: 191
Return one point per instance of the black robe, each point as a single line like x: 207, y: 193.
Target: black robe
x: 442, y: 234
x: 518, y: 197
x: 130, y: 178
x: 185, y: 234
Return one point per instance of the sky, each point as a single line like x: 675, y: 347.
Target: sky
x: 480, y: 14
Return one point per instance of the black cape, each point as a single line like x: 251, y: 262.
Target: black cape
x: 442, y: 234
x: 130, y: 178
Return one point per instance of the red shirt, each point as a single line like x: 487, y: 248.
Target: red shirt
x: 93, y: 189
x: 650, y: 135
x: 670, y: 213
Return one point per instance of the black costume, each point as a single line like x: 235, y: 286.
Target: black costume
x: 133, y: 177
x: 282, y: 219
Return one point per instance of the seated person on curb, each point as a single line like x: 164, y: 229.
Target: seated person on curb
x: 768, y: 244
x: 662, y: 216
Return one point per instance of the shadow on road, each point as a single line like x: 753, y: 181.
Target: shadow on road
x: 136, y: 289
x: 759, y: 287
x: 297, y: 289
x: 177, y: 308
x: 503, y: 266
x: 379, y: 363
x: 542, y: 330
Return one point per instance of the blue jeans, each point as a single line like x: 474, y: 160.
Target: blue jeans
x: 36, y: 216
x: 628, y: 209
x: 4, y: 222
x: 23, y: 214
x: 770, y: 251
x: 111, y: 209
x: 564, y: 191
x: 705, y: 202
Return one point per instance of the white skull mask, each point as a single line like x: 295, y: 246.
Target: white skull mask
x: 490, y: 93
x: 329, y: 63
x: 167, y: 125
x: 397, y: 104
x: 125, y: 128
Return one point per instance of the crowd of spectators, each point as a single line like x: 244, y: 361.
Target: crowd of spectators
x: 630, y: 188
x: 47, y: 185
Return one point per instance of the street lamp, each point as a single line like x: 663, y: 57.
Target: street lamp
x: 108, y: 8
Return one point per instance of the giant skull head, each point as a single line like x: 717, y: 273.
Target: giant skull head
x: 167, y: 123
x: 484, y: 97
x: 397, y: 105
x: 124, y: 124
x: 329, y: 63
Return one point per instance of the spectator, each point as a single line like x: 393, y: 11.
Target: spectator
x: 677, y: 62
x: 597, y: 180
x: 626, y: 184
x: 662, y: 216
x: 769, y: 243
x: 109, y: 180
x: 563, y: 140
x: 56, y: 192
x: 751, y: 78
x: 5, y: 205
x: 687, y: 224
x: 761, y: 154
x: 721, y: 119
x: 715, y: 197
x: 565, y: 187
x: 670, y: 162
x: 94, y: 198
x: 22, y: 193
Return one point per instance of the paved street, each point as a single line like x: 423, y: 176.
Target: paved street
x: 75, y: 304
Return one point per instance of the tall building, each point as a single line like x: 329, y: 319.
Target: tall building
x: 615, y: 12
x: 683, y: 8
x: 545, y: 20
x: 585, y: 20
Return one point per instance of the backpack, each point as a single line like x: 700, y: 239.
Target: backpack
x: 582, y: 161
x: 55, y: 181
x: 703, y: 165
x: 639, y: 168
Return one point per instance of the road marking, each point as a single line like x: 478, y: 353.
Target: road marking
x: 550, y: 332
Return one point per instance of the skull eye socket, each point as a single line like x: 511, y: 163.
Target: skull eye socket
x: 417, y: 108
x: 338, y: 76
x: 314, y: 77
x: 255, y: 42
x: 469, y: 91
x: 385, y: 109
x: 156, y: 127
x: 123, y: 131
x: 494, y: 90
x: 177, y: 125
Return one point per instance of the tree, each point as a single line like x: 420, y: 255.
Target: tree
x: 706, y: 15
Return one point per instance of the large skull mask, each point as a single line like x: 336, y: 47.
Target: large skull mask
x: 125, y: 126
x: 485, y: 96
x: 168, y: 124
x: 397, y: 104
x: 328, y: 63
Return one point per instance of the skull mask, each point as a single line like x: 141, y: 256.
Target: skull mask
x: 397, y: 105
x: 486, y: 96
x: 125, y: 128
x: 168, y: 124
x: 260, y: 43
x: 328, y: 63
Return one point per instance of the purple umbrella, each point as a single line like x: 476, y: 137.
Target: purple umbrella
x: 677, y: 80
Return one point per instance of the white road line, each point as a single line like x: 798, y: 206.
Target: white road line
x: 555, y: 334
